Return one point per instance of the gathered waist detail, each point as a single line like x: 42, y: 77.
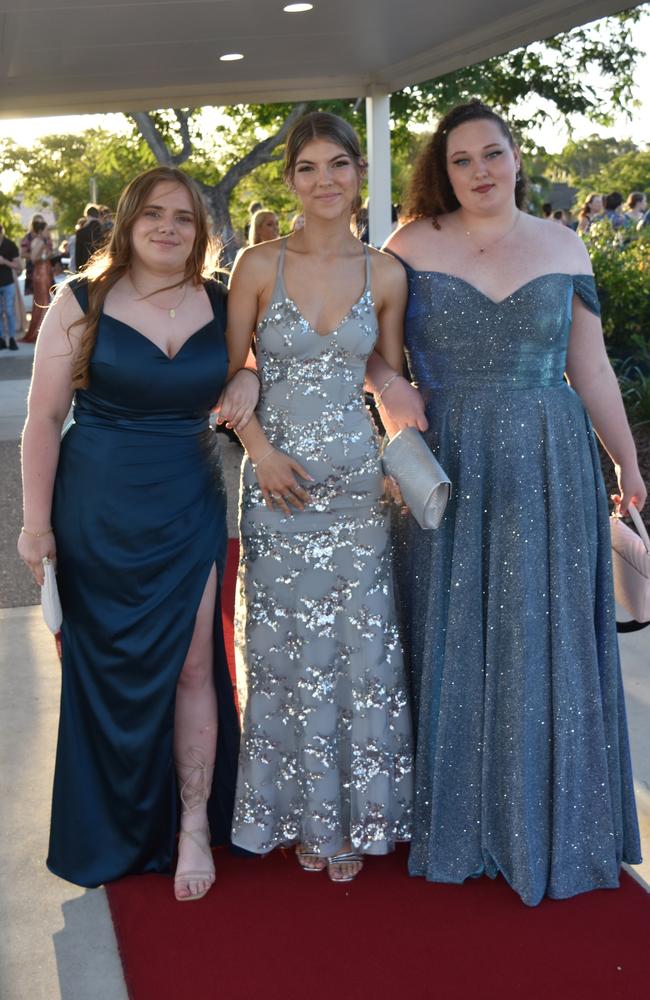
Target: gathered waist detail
x: 172, y: 424
x: 489, y: 381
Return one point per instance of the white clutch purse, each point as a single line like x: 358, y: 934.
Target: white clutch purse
x: 631, y: 563
x: 50, y: 603
x: 423, y: 483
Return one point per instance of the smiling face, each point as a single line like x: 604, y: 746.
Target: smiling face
x: 164, y: 232
x: 482, y: 166
x: 326, y: 179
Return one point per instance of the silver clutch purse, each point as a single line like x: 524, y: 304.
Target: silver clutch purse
x: 50, y: 603
x: 424, y: 484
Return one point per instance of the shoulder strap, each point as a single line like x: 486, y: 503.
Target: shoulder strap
x: 79, y: 288
x: 217, y: 292
x: 280, y: 289
x: 584, y: 286
x: 368, y: 268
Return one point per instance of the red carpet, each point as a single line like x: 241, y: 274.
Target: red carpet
x: 270, y: 931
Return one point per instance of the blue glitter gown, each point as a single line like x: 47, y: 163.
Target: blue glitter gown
x: 522, y: 758
x: 326, y: 734
x: 139, y: 519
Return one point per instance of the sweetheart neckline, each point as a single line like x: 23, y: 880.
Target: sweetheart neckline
x: 157, y: 347
x: 497, y: 302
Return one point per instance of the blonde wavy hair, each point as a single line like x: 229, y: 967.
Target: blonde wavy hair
x: 112, y: 262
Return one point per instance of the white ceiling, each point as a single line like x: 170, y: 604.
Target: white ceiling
x: 78, y: 56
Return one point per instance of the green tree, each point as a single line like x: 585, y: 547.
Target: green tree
x: 630, y: 172
x: 579, y: 161
x: 61, y: 167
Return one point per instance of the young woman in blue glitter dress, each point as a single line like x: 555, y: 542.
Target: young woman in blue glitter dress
x: 522, y: 759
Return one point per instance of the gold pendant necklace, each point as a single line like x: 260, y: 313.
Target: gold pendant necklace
x: 147, y: 298
x: 494, y: 243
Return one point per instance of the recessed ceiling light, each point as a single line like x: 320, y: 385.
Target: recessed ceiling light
x: 231, y: 57
x: 297, y: 8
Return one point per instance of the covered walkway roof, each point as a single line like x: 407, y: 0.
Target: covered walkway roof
x: 82, y: 56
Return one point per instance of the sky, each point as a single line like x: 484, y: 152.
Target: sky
x: 552, y: 135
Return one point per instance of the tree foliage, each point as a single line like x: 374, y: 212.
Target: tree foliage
x: 60, y: 168
x: 626, y: 173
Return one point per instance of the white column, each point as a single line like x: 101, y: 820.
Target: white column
x: 379, y: 193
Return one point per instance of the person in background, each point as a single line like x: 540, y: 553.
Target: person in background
x: 72, y: 245
x: 522, y: 761
x: 635, y: 207
x: 90, y: 237
x: 547, y: 210
x: 612, y: 211
x: 42, y: 278
x: 559, y: 215
x: 106, y: 220
x: 591, y: 210
x: 9, y: 266
x: 644, y: 222
x: 264, y: 227
x: 25, y: 251
x: 254, y: 207
x: 297, y: 223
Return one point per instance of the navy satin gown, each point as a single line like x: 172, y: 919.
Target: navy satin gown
x: 508, y: 617
x: 139, y: 518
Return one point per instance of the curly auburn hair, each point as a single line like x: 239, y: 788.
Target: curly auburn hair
x: 430, y: 193
x: 323, y: 125
x: 112, y: 262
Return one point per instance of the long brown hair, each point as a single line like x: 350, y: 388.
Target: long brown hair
x: 323, y: 125
x: 430, y: 193
x: 112, y: 262
x: 585, y: 211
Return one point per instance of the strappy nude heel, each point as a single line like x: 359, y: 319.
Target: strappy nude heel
x: 195, y: 792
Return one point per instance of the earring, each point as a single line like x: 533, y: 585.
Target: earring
x: 518, y: 177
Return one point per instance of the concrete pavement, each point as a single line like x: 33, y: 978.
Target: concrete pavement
x: 57, y: 940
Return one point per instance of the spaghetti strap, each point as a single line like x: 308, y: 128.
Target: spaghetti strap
x: 368, y: 269
x: 397, y: 257
x: 279, y: 281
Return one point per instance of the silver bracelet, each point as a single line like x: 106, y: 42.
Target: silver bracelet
x: 389, y: 381
x: 256, y: 465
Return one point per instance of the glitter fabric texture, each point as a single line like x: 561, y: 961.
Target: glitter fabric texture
x: 326, y: 745
x: 522, y: 759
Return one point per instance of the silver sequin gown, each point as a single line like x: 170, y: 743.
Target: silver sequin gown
x: 326, y: 741
x: 522, y: 759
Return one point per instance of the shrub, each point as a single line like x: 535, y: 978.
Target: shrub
x: 621, y: 263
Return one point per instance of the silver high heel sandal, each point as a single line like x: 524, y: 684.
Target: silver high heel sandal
x: 195, y: 792
x: 345, y: 857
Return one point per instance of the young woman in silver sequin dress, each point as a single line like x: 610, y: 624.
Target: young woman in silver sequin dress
x: 522, y: 759
x: 325, y: 762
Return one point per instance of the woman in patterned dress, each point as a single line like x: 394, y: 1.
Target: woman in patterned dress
x: 326, y: 753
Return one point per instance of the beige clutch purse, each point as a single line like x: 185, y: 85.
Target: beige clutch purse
x: 423, y: 483
x: 631, y: 563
